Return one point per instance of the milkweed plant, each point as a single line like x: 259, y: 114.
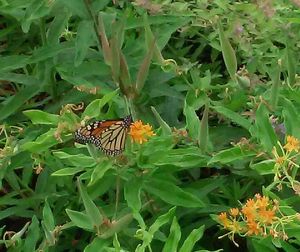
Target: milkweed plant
x: 149, y: 126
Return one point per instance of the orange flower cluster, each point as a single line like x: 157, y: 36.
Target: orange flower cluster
x: 259, y: 216
x: 140, y: 132
x: 285, y: 168
x: 292, y: 144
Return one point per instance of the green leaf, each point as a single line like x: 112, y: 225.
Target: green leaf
x: 182, y: 159
x: 291, y: 117
x: 76, y: 7
x: 264, y: 167
x: 132, y: 190
x: 41, y: 117
x: 49, y: 235
x: 80, y: 219
x: 57, y: 26
x: 96, y: 245
x: 264, y: 130
x: 291, y: 65
x: 67, y: 171
x: 104, y: 41
x: 172, y: 194
x: 13, y: 62
x: 203, y: 134
x: 164, y: 126
x: 90, y: 207
x: 50, y: 51
x: 117, y: 226
x: 32, y: 236
x: 162, y: 220
x: 144, y: 69
x: 125, y: 78
x: 191, y: 240
x: 48, y: 217
x: 149, y: 37
x: 35, y: 10
x: 116, y: 243
x: 78, y: 160
x: 94, y: 108
x: 228, y: 53
x: 42, y: 143
x: 275, y: 88
x: 232, y: 154
x: 264, y: 244
x: 174, y: 237
x: 15, y: 102
x: 84, y: 39
x: 192, y: 121
x: 115, y: 58
x: 99, y: 171
x: 233, y: 116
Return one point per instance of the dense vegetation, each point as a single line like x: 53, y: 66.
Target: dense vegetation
x: 217, y: 83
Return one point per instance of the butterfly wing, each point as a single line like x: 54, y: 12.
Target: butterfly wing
x: 108, y: 135
x: 113, y: 139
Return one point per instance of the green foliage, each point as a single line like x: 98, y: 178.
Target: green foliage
x: 218, y: 82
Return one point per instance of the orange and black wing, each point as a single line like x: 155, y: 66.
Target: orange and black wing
x: 112, y: 139
x: 109, y: 135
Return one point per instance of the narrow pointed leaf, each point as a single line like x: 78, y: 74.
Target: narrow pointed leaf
x: 291, y: 117
x: 158, y: 58
x: 32, y: 235
x: 174, y: 237
x: 99, y: 171
x: 90, y: 207
x: 165, y: 127
x: 115, y: 58
x: 191, y: 240
x: 67, y: 171
x: 264, y: 130
x: 132, y: 192
x: 97, y: 244
x: 227, y: 52
x: 172, y: 194
x: 84, y: 40
x: 116, y: 243
x: 125, y: 78
x: 235, y: 117
x: 80, y: 219
x: 48, y: 216
x: 104, y: 41
x: 162, y: 220
x: 144, y: 69
x: 94, y: 108
x: 117, y: 226
x: 203, y: 138
x: 291, y: 66
x: 275, y: 88
x: 16, y: 102
x: 231, y: 154
x: 192, y: 121
x: 41, y: 117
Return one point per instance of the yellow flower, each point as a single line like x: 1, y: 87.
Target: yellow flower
x: 262, y: 202
x: 234, y: 212
x: 292, y: 143
x: 280, y: 160
x: 253, y: 228
x: 140, y: 132
x: 224, y: 220
x: 266, y: 216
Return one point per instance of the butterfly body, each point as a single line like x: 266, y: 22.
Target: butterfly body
x: 108, y: 135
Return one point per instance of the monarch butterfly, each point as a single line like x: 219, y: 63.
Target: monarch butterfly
x: 108, y: 135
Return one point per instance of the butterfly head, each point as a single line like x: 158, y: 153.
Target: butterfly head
x: 127, y: 120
